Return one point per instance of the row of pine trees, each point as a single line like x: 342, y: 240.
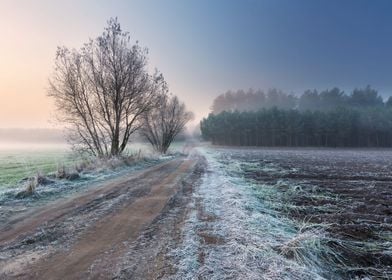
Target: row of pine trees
x: 361, y: 119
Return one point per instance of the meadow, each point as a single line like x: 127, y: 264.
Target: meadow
x: 21, y: 160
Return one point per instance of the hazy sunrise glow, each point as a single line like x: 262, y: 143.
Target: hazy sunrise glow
x: 202, y: 48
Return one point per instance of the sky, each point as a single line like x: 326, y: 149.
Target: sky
x: 203, y: 47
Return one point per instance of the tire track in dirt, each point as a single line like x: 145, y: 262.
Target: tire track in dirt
x: 96, y: 251
x: 27, y: 222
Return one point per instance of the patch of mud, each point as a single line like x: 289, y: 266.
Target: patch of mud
x: 57, y: 236
x: 149, y: 256
x: 57, y: 227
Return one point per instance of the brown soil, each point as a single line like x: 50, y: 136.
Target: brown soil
x: 347, y: 190
x: 209, y: 239
x: 92, y: 235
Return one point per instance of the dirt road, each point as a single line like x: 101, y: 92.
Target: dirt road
x: 95, y: 235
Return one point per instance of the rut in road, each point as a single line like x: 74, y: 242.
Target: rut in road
x: 97, y: 249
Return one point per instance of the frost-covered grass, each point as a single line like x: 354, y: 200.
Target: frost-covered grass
x: 255, y: 242
x: 67, y: 180
x: 352, y: 244
x: 21, y: 161
x: 289, y: 214
x: 146, y: 148
x: 32, y: 175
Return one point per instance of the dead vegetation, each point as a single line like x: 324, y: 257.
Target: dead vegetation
x: 31, y: 186
x: 346, y: 198
x: 77, y: 171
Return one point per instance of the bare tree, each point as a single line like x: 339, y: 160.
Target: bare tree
x: 164, y: 122
x: 102, y: 90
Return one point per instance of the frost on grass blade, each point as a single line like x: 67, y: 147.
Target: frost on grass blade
x: 231, y: 234
x: 291, y: 214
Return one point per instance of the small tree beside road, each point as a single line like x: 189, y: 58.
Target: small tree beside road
x: 164, y: 122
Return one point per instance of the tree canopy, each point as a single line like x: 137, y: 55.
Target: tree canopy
x: 328, y: 118
x: 253, y: 100
x: 104, y: 91
x: 164, y: 122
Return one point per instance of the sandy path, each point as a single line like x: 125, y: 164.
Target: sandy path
x: 96, y: 250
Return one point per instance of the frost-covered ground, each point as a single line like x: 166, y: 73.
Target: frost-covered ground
x: 17, y: 163
x: 289, y: 214
x: 87, y: 235
x: 11, y: 204
x: 240, y: 214
x: 21, y: 160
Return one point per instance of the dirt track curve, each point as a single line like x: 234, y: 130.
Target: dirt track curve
x: 92, y: 247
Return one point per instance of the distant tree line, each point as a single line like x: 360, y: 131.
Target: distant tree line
x: 253, y: 100
x: 328, y: 118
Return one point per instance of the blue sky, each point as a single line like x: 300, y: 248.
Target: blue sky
x: 207, y: 47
